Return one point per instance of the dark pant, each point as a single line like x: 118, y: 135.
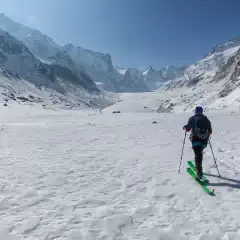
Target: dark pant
x: 198, y: 151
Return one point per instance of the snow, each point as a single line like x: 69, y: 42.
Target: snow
x: 74, y: 96
x: 5, y: 235
x: 227, y: 53
x: 121, y: 71
x: 85, y: 175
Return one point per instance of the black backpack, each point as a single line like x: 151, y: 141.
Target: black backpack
x: 201, y: 127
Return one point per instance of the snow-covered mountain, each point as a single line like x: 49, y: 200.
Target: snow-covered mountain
x: 212, y: 82
x: 100, y: 67
x: 132, y: 80
x: 96, y: 60
x: 229, y: 72
x: 204, y: 69
x: 97, y: 65
x: 152, y: 78
x: 17, y: 61
x: 156, y: 78
x: 39, y: 44
x: 23, y: 75
x: 234, y: 42
x: 171, y: 72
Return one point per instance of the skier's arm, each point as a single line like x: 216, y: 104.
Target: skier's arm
x: 209, y: 127
x: 188, y: 127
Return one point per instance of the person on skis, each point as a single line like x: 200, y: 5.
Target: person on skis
x: 201, y: 130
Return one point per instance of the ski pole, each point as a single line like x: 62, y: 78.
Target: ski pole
x: 214, y: 158
x: 182, y: 152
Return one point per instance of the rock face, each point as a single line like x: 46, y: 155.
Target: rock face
x: 230, y: 73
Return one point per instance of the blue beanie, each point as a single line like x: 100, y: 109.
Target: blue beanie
x: 198, y: 110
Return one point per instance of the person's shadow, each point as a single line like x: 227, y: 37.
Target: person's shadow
x: 233, y: 183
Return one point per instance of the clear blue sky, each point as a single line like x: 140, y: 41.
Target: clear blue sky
x: 137, y: 33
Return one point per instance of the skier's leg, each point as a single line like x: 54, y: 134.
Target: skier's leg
x: 202, y: 147
x: 198, y: 159
x: 195, y: 150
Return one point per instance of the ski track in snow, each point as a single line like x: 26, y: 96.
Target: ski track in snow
x: 83, y: 175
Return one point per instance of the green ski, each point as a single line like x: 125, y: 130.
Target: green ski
x: 192, y: 166
x: 204, y: 187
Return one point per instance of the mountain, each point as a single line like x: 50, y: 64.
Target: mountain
x: 171, y: 72
x: 23, y: 75
x: 206, y: 68
x: 132, y: 81
x: 229, y: 72
x: 154, y: 79
x: 98, y: 66
x: 212, y: 81
x: 39, y: 44
x: 17, y: 61
x: 234, y: 42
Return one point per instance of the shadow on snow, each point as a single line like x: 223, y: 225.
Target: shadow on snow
x: 233, y: 183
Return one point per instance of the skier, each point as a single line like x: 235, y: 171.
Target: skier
x: 201, y: 131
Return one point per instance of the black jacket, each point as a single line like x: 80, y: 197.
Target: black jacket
x: 198, y: 121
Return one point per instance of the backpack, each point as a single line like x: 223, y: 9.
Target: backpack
x: 201, y: 128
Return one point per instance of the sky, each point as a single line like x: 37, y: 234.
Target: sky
x: 137, y: 33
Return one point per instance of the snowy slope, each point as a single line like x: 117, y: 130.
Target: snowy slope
x: 211, y: 82
x: 204, y: 69
x: 24, y: 77
x: 44, y: 48
x: 71, y: 96
x: 235, y: 42
x: 18, y: 61
x: 89, y: 176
